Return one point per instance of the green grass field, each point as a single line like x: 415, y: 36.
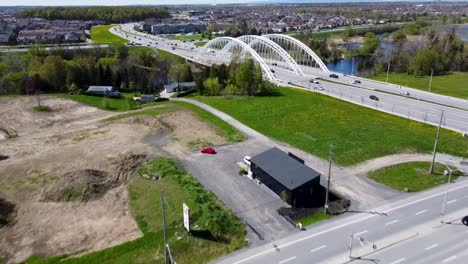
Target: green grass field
x: 168, y: 55
x: 452, y: 84
x: 312, y: 121
x: 314, y: 218
x: 201, y: 43
x: 105, y: 103
x: 186, y: 37
x: 412, y: 175
x: 101, y: 34
x: 216, y: 231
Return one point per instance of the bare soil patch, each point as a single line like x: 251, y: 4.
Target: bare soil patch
x: 49, y: 173
x: 7, y: 212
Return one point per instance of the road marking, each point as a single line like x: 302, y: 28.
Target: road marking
x: 452, y: 201
x: 421, y: 212
x: 361, y: 233
x: 317, y: 249
x: 431, y: 247
x: 286, y: 260
x: 391, y: 222
x: 347, y: 224
x: 399, y: 261
x: 449, y: 259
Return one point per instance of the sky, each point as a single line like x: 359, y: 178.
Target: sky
x: 155, y: 2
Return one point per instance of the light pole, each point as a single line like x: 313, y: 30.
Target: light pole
x: 388, y: 70
x: 329, y: 174
x: 352, y: 66
x: 431, y: 170
x: 430, y: 80
x: 446, y: 191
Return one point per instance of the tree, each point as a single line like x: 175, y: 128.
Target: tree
x: 369, y: 45
x: 53, y: 71
x: 399, y: 36
x: 181, y: 72
x: 212, y: 86
x: 427, y: 60
x: 249, y: 76
x: 348, y: 33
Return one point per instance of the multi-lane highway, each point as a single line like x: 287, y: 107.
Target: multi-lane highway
x: 409, y: 231
x: 402, y: 101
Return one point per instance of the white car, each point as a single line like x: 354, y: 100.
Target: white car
x: 314, y: 81
x: 403, y: 92
x: 355, y: 82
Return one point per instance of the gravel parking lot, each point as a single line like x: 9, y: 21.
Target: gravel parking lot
x: 255, y: 204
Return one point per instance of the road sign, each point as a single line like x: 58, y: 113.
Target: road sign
x: 186, y: 217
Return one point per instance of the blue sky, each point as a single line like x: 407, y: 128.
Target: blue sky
x: 152, y: 2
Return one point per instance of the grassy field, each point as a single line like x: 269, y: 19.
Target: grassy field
x: 453, y: 84
x: 201, y: 43
x: 186, y: 37
x: 314, y: 218
x: 168, y: 55
x: 105, y: 103
x: 219, y: 230
x: 312, y: 121
x: 412, y: 175
x: 101, y: 34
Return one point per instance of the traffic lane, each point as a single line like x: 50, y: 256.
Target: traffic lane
x: 447, y: 244
x: 335, y: 234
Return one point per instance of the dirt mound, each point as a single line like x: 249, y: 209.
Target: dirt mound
x: 154, y: 122
x: 88, y: 184
x: 7, y: 212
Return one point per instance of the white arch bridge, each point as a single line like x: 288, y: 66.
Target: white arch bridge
x: 272, y: 51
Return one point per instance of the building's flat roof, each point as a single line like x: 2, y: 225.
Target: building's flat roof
x: 285, y: 169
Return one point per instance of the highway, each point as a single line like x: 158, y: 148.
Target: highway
x: 418, y: 105
x: 400, y: 232
x: 67, y: 47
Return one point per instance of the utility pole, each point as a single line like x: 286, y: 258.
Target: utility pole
x: 329, y: 174
x: 446, y: 193
x: 388, y: 70
x: 430, y: 80
x: 431, y: 170
x: 351, y: 243
x: 352, y: 66
x: 164, y: 228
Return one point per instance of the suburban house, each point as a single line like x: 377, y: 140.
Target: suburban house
x: 147, y: 98
x: 103, y: 90
x: 288, y: 176
x: 179, y: 87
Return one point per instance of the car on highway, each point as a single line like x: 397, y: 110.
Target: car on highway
x: 316, y: 81
x: 273, y: 71
x: 334, y: 76
x: 465, y: 220
x: 274, y: 64
x: 355, y: 82
x: 403, y: 92
x: 373, y: 97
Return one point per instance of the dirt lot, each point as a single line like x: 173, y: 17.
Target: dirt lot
x: 44, y: 149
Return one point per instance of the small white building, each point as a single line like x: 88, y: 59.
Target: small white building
x: 179, y: 87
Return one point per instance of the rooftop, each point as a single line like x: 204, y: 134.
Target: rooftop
x: 285, y: 169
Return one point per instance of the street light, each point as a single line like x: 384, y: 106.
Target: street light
x: 446, y: 192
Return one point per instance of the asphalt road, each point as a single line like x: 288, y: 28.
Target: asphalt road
x: 419, y: 105
x: 68, y: 47
x: 401, y: 230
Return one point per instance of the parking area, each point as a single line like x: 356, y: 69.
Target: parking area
x: 255, y: 204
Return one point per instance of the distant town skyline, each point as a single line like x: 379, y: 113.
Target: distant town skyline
x: 177, y: 2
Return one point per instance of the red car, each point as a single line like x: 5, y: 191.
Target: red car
x: 208, y: 150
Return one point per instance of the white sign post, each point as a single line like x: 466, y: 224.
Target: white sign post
x: 186, y: 217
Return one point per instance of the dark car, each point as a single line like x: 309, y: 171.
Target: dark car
x: 465, y: 220
x: 273, y: 71
x: 333, y: 76
x: 373, y: 97
x: 274, y: 64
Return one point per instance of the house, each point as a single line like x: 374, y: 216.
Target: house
x: 147, y: 98
x: 179, y: 87
x: 288, y: 176
x: 102, y: 90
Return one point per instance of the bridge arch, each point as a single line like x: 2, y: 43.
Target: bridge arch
x: 272, y: 53
x: 222, y: 50
x: 298, y: 50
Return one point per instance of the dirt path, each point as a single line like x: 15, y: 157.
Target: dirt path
x: 377, y: 163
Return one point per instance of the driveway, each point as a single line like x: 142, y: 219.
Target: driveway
x: 255, y: 204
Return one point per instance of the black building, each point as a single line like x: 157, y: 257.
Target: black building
x: 288, y: 176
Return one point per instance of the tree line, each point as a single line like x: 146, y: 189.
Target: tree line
x: 60, y: 70
x: 109, y: 14
x: 237, y: 78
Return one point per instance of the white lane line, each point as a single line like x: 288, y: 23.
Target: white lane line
x: 286, y: 260
x: 298, y: 240
x: 449, y: 259
x: 421, y: 212
x: 452, y: 201
x: 392, y: 222
x: 361, y: 233
x: 431, y: 247
x: 317, y: 249
x: 398, y: 261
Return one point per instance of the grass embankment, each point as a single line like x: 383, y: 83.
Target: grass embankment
x: 412, y: 175
x: 167, y: 55
x: 314, y: 218
x: 122, y: 103
x: 201, y: 43
x: 452, y: 84
x: 186, y: 37
x: 216, y: 231
x: 312, y: 121
x: 101, y: 34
